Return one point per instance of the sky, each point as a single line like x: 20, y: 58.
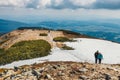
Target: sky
x: 45, y: 10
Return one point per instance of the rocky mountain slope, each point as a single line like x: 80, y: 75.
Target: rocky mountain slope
x: 53, y: 68
x: 62, y: 71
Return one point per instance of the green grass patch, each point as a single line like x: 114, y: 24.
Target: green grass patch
x: 62, y: 39
x: 25, y: 50
x: 65, y: 47
x: 69, y: 32
x: 1, y: 51
x: 43, y: 34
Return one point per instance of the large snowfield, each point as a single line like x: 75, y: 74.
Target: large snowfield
x: 84, y: 52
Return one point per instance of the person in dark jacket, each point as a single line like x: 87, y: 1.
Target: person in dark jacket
x: 96, y: 55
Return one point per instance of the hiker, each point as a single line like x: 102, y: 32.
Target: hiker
x: 48, y: 31
x: 100, y: 57
x: 96, y: 55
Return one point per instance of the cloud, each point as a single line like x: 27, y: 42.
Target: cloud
x: 107, y: 4
x: 82, y: 3
x: 13, y: 3
x: 62, y: 4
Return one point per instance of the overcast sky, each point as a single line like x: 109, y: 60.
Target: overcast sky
x: 39, y: 10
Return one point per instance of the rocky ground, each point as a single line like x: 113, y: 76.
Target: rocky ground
x: 62, y: 71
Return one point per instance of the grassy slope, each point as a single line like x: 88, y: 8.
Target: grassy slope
x: 25, y: 50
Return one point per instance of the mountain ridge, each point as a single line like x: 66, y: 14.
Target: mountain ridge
x: 15, y: 36
x: 8, y: 25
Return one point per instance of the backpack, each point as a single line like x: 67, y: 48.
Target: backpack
x: 100, y: 56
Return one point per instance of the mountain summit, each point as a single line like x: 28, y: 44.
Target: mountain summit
x: 40, y: 53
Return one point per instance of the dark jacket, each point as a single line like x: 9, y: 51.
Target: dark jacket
x: 96, y: 54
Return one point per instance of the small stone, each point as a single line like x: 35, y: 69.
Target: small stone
x: 0, y: 75
x: 107, y: 77
x: 118, y: 77
x: 62, y: 68
x: 35, y: 73
x: 82, y: 78
x: 12, y: 77
x: 54, y: 67
x: 41, y: 71
x: 47, y: 76
x: 58, y: 65
x: 82, y: 70
x: 60, y: 73
x: 84, y: 66
x: 92, y: 69
x: 72, y: 72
